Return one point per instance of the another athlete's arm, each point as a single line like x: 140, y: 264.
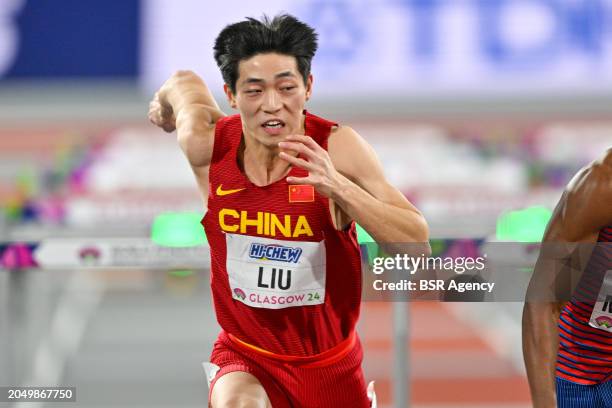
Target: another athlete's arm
x: 584, y: 208
x: 352, y: 176
x: 184, y: 103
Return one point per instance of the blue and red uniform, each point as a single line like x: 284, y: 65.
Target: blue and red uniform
x: 286, y: 284
x: 584, y: 361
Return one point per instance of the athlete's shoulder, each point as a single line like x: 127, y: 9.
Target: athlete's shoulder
x: 349, y: 139
x: 345, y: 140
x: 343, y: 132
x: 595, y: 180
x: 351, y: 154
x: 586, y: 205
x: 607, y: 157
x: 602, y: 168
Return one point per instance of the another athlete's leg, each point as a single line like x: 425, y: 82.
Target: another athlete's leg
x: 572, y: 395
x: 239, y: 390
x: 605, y: 392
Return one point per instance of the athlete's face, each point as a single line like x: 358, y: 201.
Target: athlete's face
x: 270, y: 95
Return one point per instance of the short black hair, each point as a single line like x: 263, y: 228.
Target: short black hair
x: 284, y: 34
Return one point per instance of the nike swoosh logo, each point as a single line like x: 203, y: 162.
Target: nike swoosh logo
x: 221, y: 192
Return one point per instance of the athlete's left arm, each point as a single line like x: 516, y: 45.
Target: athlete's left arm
x: 350, y: 174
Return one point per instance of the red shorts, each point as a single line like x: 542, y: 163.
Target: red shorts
x: 297, y: 384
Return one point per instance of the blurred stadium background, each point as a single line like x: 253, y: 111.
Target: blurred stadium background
x: 476, y: 108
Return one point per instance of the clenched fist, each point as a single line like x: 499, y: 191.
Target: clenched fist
x: 183, y: 88
x: 161, y: 113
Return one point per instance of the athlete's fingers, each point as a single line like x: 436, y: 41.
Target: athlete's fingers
x: 155, y: 112
x: 307, y: 140
x: 161, y: 115
x: 169, y: 127
x: 301, y: 180
x: 296, y: 161
x: 299, y: 148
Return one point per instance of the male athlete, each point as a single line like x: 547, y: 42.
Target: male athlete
x: 568, y: 345
x: 284, y: 189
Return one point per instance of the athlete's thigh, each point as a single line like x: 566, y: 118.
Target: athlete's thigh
x: 239, y: 389
x: 572, y: 395
x: 605, y: 392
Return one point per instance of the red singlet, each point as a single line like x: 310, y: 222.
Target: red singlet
x: 283, y: 278
x: 585, y: 324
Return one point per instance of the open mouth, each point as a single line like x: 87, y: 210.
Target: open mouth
x: 274, y: 124
x: 273, y: 127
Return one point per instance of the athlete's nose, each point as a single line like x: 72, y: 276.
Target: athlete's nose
x: 272, y: 102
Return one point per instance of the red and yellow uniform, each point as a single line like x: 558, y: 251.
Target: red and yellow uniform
x: 286, y: 283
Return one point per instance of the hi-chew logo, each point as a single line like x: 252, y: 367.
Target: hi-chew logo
x: 275, y: 252
x: 89, y: 255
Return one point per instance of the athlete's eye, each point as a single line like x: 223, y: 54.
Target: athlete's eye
x: 288, y: 88
x: 253, y: 91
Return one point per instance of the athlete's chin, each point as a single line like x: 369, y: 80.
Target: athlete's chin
x: 274, y: 137
x: 275, y: 133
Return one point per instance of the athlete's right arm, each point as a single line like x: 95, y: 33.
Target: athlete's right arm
x: 185, y: 104
x: 584, y: 208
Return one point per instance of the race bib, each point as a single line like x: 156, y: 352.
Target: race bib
x: 273, y: 274
x: 601, y: 318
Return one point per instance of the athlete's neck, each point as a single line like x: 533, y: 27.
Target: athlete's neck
x: 260, y: 162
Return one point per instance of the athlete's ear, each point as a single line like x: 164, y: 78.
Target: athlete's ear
x: 309, y: 82
x: 231, y: 99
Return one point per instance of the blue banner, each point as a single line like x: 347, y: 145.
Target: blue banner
x: 71, y: 38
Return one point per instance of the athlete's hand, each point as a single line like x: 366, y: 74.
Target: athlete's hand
x: 321, y: 172
x: 160, y: 111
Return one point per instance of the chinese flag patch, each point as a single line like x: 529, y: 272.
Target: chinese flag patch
x: 301, y: 193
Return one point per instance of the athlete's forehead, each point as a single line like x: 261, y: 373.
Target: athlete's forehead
x: 268, y: 67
